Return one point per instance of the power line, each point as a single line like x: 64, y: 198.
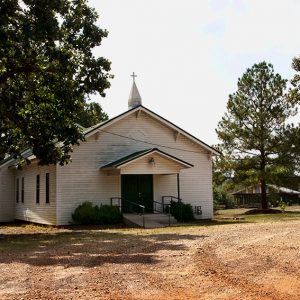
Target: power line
x: 149, y: 143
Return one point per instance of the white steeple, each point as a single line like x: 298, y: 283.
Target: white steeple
x: 134, y: 96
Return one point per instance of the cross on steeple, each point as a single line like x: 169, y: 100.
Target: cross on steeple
x: 133, y: 76
x: 134, y: 96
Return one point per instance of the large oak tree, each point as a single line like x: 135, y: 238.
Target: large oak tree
x: 47, y: 72
x: 92, y: 115
x: 253, y: 131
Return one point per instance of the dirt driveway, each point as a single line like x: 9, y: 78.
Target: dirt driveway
x: 235, y: 261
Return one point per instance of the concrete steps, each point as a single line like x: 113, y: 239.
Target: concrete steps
x: 151, y: 220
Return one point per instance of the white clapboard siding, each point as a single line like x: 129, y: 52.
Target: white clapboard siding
x: 7, y: 203
x: 42, y: 212
x: 82, y: 180
x: 165, y: 185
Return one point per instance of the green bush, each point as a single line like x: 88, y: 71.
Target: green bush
x: 87, y: 214
x: 282, y: 205
x: 181, y: 212
x: 222, y: 198
x: 108, y: 215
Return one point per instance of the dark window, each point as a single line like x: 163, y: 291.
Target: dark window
x: 22, y: 191
x: 37, y: 189
x: 47, y: 188
x: 17, y: 190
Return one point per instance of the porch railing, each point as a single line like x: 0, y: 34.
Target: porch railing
x: 130, y: 206
x: 159, y: 207
x: 162, y: 208
x: 170, y: 199
x: 197, y: 210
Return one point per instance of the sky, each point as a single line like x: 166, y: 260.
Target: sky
x: 188, y: 55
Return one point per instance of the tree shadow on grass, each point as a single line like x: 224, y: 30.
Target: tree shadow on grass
x: 89, y: 248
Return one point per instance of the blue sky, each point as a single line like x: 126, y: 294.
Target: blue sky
x: 188, y: 55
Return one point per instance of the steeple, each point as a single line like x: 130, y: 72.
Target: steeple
x: 134, y: 96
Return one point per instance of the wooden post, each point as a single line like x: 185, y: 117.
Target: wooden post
x: 178, y: 186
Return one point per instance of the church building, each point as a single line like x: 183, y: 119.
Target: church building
x: 137, y: 156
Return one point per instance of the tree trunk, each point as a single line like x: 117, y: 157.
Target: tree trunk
x: 264, y: 201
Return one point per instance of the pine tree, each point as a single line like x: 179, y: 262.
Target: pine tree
x: 253, y: 131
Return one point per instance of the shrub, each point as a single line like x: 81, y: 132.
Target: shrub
x: 87, y: 214
x: 181, y: 212
x: 222, y: 198
x: 108, y: 215
x: 282, y: 205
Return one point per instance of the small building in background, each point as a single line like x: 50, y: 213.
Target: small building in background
x: 251, y: 195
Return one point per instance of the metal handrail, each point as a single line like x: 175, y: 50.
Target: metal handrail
x: 168, y: 213
x: 121, y: 200
x: 155, y: 204
x: 197, y: 210
x: 171, y: 197
x: 120, y: 205
x: 177, y: 199
x: 163, y: 206
x: 133, y: 203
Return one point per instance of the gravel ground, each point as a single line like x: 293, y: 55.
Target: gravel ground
x: 234, y: 261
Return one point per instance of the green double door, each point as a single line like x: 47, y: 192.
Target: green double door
x: 137, y: 189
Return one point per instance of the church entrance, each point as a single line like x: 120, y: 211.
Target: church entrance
x: 137, y: 189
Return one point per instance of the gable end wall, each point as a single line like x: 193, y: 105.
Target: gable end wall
x: 82, y: 180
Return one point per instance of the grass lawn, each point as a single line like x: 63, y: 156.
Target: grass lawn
x: 238, y: 214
